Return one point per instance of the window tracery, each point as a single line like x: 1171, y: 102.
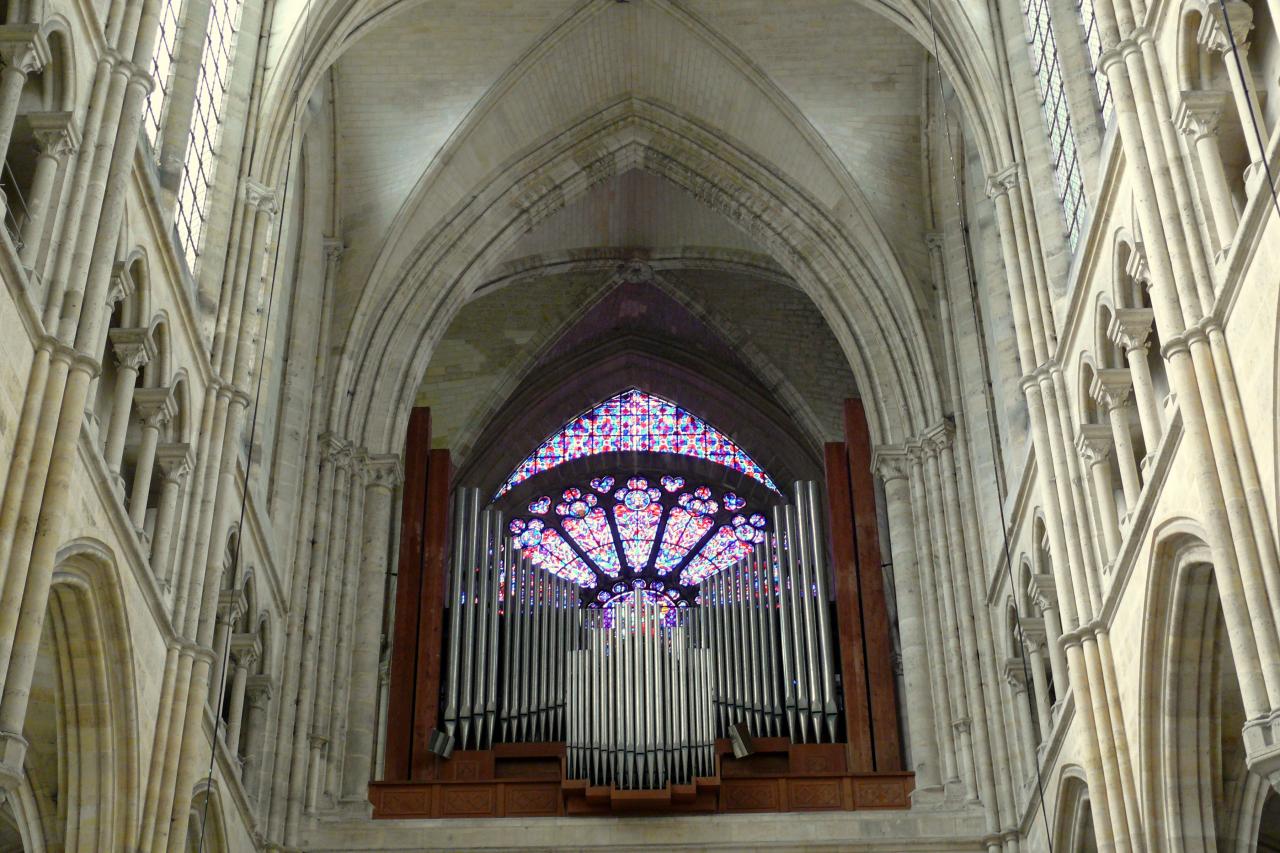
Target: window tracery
x: 638, y: 537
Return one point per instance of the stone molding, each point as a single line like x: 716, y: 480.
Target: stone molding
x: 24, y: 47
x: 1094, y: 443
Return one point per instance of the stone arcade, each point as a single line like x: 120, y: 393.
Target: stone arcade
x: 653, y: 424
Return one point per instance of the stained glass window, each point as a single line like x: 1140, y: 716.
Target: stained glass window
x: 1057, y: 117
x: 636, y: 421
x: 638, y: 536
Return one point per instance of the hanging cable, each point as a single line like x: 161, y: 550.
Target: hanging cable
x: 225, y: 653
x: 979, y: 335
x: 1254, y: 118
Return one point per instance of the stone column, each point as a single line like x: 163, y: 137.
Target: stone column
x: 891, y: 466
x: 246, y: 649
x: 1111, y: 388
x: 1198, y: 116
x: 156, y: 408
x: 383, y: 474
x: 121, y: 289
x: 1094, y: 443
x: 258, y: 690
x: 231, y: 606
x: 56, y: 139
x: 174, y: 462
x: 1033, y: 638
x: 133, y: 349
x: 1045, y: 595
x: 938, y: 660
x: 384, y: 698
x: 1017, y: 681
x: 24, y: 51
x: 1131, y: 329
x: 1214, y: 37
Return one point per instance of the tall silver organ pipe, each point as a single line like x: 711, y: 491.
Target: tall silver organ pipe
x: 638, y: 695
x: 639, y: 709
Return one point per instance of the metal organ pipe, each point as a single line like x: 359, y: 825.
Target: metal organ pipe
x: 818, y: 551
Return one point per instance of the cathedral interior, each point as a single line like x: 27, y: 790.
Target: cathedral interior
x: 640, y: 425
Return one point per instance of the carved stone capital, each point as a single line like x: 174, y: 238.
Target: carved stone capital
x: 1001, y: 182
x: 23, y: 47
x: 1111, y: 387
x: 383, y: 471
x: 1218, y: 31
x: 231, y: 605
x: 1034, y: 634
x: 934, y: 241
x: 1137, y: 268
x: 133, y: 348
x: 940, y: 436
x: 1015, y: 674
x: 333, y: 249
x: 258, y: 690
x: 335, y: 450
x: 890, y: 463
x: 1199, y: 112
x: 156, y: 406
x: 55, y: 133
x: 246, y: 648
x: 1043, y: 592
x: 174, y: 461
x: 259, y: 196
x: 1131, y: 328
x: 1094, y: 443
x: 121, y: 287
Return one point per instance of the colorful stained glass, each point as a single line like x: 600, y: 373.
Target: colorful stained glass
x: 541, y: 505
x: 637, y: 528
x: 666, y: 607
x: 672, y: 484
x: 733, y: 503
x: 684, y: 530
x: 720, y: 552
x: 552, y: 553
x: 591, y: 533
x: 602, y: 484
x: 636, y: 421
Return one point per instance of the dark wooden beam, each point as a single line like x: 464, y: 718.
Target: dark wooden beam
x: 875, y: 612
x: 857, y: 716
x: 404, y: 635
x: 426, y: 704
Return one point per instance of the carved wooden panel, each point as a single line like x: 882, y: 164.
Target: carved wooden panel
x: 468, y: 801
x: 750, y: 795
x: 532, y: 800
x: 814, y: 794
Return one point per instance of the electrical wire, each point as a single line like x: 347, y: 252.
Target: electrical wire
x: 225, y: 654
x: 995, y: 454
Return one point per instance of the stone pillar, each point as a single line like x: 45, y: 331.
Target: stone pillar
x: 258, y: 692
x: 383, y: 474
x: 892, y: 469
x: 1131, y: 329
x: 1094, y: 443
x: 1214, y: 37
x: 24, y: 51
x: 1110, y: 389
x: 1045, y: 595
x: 156, y: 408
x: 940, y: 687
x: 1017, y: 681
x: 174, y: 462
x: 1198, y: 116
x: 231, y: 606
x: 245, y: 649
x: 1033, y: 639
x: 133, y: 349
x: 121, y: 289
x: 56, y: 139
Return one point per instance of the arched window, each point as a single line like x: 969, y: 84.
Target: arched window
x: 1057, y: 117
x: 639, y: 422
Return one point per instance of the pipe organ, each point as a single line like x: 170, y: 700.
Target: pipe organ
x: 640, y: 688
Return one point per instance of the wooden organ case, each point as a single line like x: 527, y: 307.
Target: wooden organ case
x: 551, y: 708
